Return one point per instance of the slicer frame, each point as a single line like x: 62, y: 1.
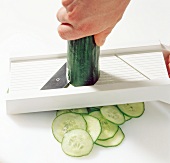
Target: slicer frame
x: 87, y: 96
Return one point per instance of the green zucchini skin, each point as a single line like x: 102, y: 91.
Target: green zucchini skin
x: 83, y: 61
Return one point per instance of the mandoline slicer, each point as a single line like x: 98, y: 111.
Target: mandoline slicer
x: 127, y: 75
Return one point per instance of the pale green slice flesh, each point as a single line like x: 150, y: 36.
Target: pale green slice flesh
x: 108, y: 129
x: 66, y: 122
x: 59, y: 112
x: 133, y: 110
x: 114, y: 141
x: 80, y: 110
x: 127, y: 117
x: 93, y: 126
x: 77, y: 143
x: 113, y: 114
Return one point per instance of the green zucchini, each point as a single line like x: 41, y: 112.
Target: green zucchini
x: 83, y: 61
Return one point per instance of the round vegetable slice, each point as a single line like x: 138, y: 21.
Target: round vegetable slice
x: 77, y: 143
x: 127, y: 118
x: 66, y: 122
x: 77, y: 110
x: 113, y: 114
x: 59, y: 112
x: 93, y: 126
x: 133, y: 110
x: 80, y: 110
x: 114, y: 141
x: 108, y: 129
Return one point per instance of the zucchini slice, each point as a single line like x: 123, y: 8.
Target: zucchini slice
x: 83, y: 61
x: 113, y: 114
x: 108, y: 129
x: 114, y: 141
x: 78, y: 110
x: 66, y: 122
x: 133, y: 110
x: 93, y: 126
x: 77, y: 143
x: 127, y: 118
x: 59, y: 112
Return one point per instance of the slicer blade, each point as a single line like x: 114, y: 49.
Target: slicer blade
x: 58, y: 80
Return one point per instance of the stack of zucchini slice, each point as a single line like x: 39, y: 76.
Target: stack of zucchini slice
x: 79, y: 129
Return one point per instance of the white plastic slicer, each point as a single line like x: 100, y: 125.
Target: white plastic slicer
x: 127, y: 75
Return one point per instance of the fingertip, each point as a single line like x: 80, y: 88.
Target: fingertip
x: 64, y: 30
x: 99, y: 40
x: 67, y: 32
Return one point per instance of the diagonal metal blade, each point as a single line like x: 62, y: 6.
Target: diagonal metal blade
x: 58, y: 80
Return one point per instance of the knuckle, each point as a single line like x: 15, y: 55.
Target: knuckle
x: 73, y: 17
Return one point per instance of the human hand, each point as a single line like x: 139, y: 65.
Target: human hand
x: 81, y: 18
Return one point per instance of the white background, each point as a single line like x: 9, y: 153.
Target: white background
x: 30, y: 28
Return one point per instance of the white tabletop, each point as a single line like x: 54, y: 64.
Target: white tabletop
x: 29, y: 28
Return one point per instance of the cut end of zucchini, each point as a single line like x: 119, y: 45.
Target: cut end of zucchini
x: 83, y: 61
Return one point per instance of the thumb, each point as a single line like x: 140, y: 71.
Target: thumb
x: 101, y: 37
